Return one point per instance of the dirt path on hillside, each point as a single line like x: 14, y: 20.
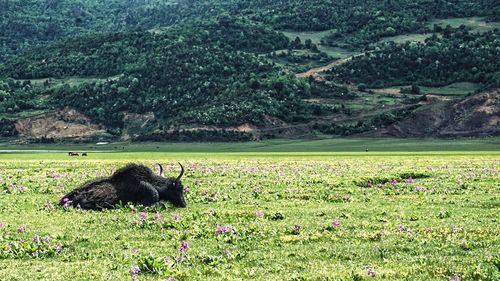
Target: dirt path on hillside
x: 310, y: 124
x: 315, y: 72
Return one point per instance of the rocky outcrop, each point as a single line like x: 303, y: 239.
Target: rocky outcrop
x: 64, y: 124
x: 477, y: 115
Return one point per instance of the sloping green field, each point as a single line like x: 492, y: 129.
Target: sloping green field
x: 260, y: 216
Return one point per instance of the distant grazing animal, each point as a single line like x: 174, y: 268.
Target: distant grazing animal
x: 73, y: 154
x: 84, y: 154
x: 132, y: 183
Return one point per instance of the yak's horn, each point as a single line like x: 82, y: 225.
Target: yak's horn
x: 161, y: 169
x: 182, y: 173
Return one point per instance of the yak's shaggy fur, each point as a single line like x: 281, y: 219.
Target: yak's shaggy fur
x: 132, y: 183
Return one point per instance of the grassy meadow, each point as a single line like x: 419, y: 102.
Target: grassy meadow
x: 275, y: 210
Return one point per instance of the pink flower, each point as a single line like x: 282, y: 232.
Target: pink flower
x: 184, y: 246
x: 224, y: 229
x: 135, y: 270
x: 20, y: 229
x: 36, y: 239
x: 259, y: 214
x: 335, y: 223
x: 419, y: 188
x: 143, y: 216
x: 175, y: 217
x: 409, y: 180
x: 296, y: 229
x: 371, y: 272
x: 185, y: 190
x: 158, y: 217
x: 401, y: 227
x: 456, y: 278
x: 66, y: 202
x: 47, y: 206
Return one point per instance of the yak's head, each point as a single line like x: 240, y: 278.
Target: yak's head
x: 171, y: 189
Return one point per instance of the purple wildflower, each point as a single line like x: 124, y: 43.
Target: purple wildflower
x: 57, y: 247
x: 34, y: 254
x: 166, y: 259
x: 369, y: 184
x: 66, y: 202
x: 393, y: 182
x: 135, y: 270
x: 21, y: 229
x: 409, y: 180
x: 184, y: 246
x: 259, y: 214
x: 47, y: 206
x: 296, y: 229
x: 175, y: 217
x: 401, y: 227
x: 186, y: 189
x: 1, y: 225
x: 371, y: 272
x: 143, y: 216
x: 179, y: 259
x: 335, y: 223
x: 36, y: 239
x: 158, y: 217
x: 456, y: 278
x: 419, y: 188
x: 224, y: 229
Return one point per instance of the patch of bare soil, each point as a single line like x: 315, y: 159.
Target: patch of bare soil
x: 477, y: 115
x: 392, y: 91
x: 136, y: 124
x: 315, y: 72
x: 66, y: 123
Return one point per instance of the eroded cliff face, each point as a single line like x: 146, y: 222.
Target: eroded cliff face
x: 477, y: 115
x: 67, y: 123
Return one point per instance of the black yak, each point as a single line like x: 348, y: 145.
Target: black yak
x: 132, y: 183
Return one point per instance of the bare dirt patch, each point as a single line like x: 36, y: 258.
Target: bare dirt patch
x: 66, y: 123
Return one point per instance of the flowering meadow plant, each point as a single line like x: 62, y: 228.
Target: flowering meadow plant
x: 280, y: 218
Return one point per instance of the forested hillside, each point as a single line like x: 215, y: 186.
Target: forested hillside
x: 221, y: 70
x: 441, y: 60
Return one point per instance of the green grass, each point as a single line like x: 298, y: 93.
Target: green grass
x: 414, y: 37
x: 337, y: 52
x: 304, y: 35
x: 478, y: 24
x: 316, y: 37
x: 455, y: 89
x: 23, y: 114
x: 448, y: 228
x: 72, y: 81
x: 287, y: 146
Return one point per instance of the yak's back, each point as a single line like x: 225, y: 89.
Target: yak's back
x: 132, y: 174
x: 94, y: 195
